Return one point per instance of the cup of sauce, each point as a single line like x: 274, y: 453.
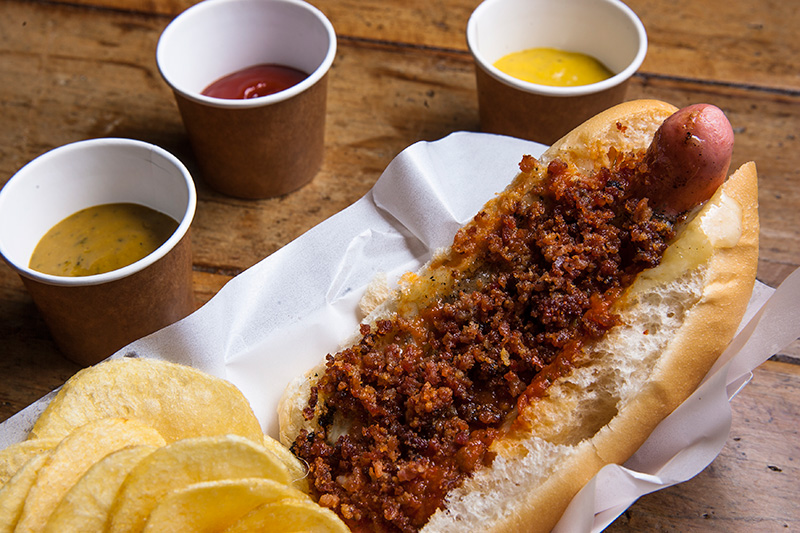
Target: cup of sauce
x: 544, y: 67
x: 98, y: 231
x: 250, y: 81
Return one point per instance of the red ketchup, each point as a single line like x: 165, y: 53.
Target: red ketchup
x: 255, y: 81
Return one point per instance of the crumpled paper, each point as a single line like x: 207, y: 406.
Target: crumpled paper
x: 281, y: 316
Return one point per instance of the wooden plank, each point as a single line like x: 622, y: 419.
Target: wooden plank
x: 739, y: 43
x: 86, y: 68
x: 71, y: 74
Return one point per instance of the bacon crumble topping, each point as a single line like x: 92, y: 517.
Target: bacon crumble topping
x: 426, y: 392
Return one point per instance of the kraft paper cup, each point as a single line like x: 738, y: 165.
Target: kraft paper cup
x: 91, y: 317
x: 605, y: 29
x: 260, y: 147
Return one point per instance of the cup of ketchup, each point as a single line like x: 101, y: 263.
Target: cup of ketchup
x: 250, y: 81
x: 544, y: 67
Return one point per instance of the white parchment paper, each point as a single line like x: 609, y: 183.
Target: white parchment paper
x: 281, y: 316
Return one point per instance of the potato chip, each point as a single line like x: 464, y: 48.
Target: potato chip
x: 213, y: 505
x: 13, y: 457
x: 289, y: 515
x: 297, y: 468
x: 85, y: 506
x: 73, y: 456
x: 14, y: 492
x: 177, y: 400
x: 183, y: 463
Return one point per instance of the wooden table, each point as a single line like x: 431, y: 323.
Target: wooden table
x: 78, y: 69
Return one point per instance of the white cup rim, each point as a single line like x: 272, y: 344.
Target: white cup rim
x: 548, y: 90
x: 280, y: 96
x: 7, y: 193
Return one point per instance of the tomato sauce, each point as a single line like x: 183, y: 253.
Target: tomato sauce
x: 255, y: 81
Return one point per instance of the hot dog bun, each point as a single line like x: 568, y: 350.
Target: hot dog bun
x: 675, y: 320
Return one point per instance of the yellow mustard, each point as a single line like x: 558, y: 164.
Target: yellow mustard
x: 101, y: 239
x: 550, y: 66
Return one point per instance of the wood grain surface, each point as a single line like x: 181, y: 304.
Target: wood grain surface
x: 82, y: 69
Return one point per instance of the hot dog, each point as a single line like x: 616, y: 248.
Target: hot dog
x: 574, y: 312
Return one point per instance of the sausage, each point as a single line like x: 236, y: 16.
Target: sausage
x: 688, y: 158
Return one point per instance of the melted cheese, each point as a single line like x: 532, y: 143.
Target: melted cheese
x: 718, y: 225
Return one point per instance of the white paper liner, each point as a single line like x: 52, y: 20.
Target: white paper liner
x: 281, y: 316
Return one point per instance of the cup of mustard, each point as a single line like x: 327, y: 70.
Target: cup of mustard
x: 98, y: 231
x: 544, y: 67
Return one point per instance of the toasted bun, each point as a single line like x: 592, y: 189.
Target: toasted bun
x: 676, y: 319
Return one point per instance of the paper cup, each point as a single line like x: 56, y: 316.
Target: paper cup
x: 605, y: 29
x: 91, y: 317
x: 259, y: 147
